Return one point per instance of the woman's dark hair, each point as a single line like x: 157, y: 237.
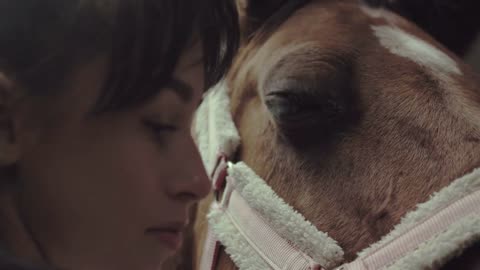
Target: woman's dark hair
x: 41, y: 41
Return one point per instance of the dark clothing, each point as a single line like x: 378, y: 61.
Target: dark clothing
x: 8, y: 262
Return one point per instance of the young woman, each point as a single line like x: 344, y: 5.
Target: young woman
x: 97, y: 166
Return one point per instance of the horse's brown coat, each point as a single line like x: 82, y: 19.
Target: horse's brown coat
x: 398, y: 134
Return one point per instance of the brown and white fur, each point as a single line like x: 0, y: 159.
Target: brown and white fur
x: 383, y: 116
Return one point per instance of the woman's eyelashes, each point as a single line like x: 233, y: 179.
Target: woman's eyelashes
x: 159, y: 130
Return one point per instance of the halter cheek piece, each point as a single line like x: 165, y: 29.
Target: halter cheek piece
x: 271, y: 247
x: 247, y: 217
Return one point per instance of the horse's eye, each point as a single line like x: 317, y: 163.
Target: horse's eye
x: 297, y: 109
x: 308, y: 115
x: 284, y: 106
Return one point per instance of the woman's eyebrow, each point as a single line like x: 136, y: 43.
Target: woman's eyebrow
x: 181, y: 88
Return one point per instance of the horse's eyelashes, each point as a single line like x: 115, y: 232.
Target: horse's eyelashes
x: 287, y: 107
x: 302, y: 110
x: 316, y: 112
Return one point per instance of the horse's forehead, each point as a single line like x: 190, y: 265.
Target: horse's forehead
x: 368, y: 28
x: 398, y: 41
x: 406, y: 45
x: 398, y: 36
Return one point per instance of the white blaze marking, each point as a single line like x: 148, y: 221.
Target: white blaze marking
x: 436, y: 62
x: 377, y: 13
x: 406, y: 45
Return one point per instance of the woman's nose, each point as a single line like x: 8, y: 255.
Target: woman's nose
x: 192, y: 182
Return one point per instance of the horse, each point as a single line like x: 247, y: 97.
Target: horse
x: 358, y: 119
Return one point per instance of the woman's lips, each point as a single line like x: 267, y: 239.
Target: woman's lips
x: 171, y: 237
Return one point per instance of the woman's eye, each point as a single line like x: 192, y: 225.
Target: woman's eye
x: 159, y: 129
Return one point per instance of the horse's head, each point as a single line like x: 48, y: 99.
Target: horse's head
x: 352, y: 114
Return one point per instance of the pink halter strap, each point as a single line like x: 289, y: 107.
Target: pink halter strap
x: 277, y: 252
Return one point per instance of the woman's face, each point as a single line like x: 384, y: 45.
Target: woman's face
x: 112, y: 191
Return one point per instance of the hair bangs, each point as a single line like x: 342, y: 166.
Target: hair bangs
x: 149, y: 37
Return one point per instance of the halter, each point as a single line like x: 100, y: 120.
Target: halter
x: 266, y: 230
x: 259, y: 230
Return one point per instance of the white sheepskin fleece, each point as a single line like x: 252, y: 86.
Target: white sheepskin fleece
x: 213, y: 127
x: 243, y: 255
x: 287, y: 222
x: 436, y: 252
